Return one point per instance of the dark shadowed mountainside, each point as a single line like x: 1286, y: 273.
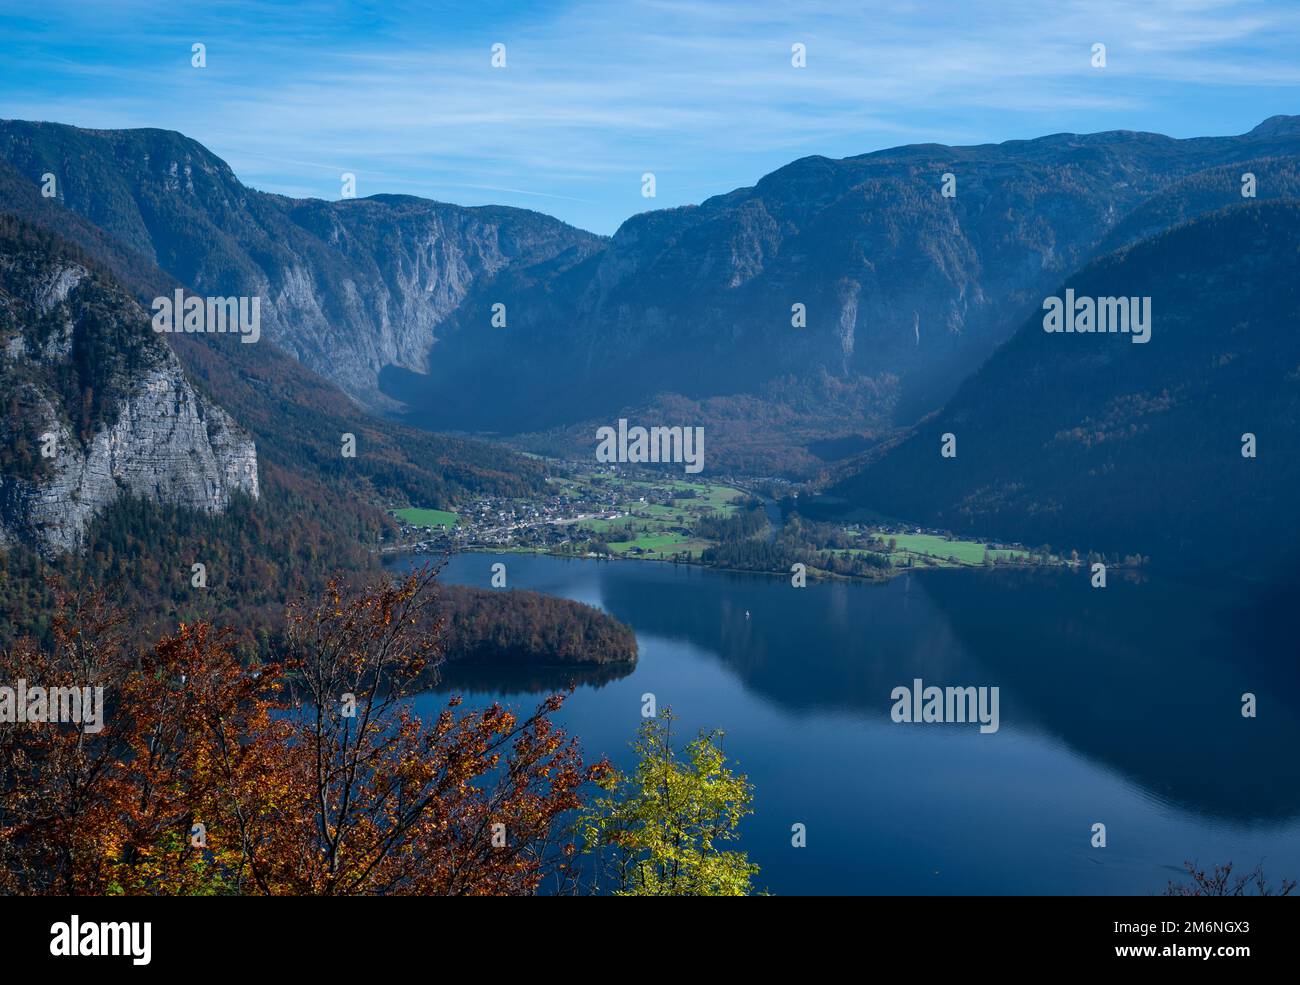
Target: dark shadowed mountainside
x: 1092, y: 442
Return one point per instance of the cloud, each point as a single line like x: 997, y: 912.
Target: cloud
x: 596, y: 93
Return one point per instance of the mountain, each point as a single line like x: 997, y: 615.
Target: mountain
x: 684, y: 315
x: 348, y: 287
x: 688, y: 311
x: 149, y: 476
x: 316, y: 515
x: 1203, y: 192
x: 296, y: 416
x: 1091, y: 442
x: 96, y: 406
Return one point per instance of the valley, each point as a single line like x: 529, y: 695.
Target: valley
x: 616, y: 512
x: 715, y: 450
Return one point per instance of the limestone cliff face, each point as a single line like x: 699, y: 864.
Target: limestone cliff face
x: 393, y: 269
x: 95, y: 407
x: 348, y: 287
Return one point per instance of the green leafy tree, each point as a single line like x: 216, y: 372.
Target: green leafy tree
x: 661, y: 830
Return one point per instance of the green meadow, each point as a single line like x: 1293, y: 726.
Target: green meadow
x: 426, y: 518
x: 657, y: 529
x: 965, y: 551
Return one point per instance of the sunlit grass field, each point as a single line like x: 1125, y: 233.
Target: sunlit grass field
x: 426, y: 518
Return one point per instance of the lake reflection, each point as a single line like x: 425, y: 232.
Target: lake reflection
x: 1119, y: 706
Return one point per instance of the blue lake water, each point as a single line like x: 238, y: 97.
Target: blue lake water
x: 1120, y: 706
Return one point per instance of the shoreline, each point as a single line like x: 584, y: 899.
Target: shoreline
x: 814, y: 574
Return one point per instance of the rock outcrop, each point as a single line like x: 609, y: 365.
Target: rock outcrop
x: 96, y: 406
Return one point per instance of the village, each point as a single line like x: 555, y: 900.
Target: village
x: 606, y: 510
x: 581, y: 504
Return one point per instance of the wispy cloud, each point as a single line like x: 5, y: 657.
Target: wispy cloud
x: 594, y: 94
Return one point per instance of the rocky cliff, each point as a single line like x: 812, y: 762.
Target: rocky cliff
x: 96, y: 406
x: 348, y: 287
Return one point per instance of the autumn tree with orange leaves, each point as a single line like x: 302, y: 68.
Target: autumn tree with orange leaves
x: 310, y: 775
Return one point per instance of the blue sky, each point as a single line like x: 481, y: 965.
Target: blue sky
x: 595, y: 94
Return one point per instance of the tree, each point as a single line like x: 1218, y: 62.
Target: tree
x: 468, y: 805
x: 306, y: 775
x: 55, y: 780
x: 659, y: 831
x: 1221, y: 882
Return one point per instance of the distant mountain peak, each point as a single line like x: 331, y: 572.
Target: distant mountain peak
x: 1277, y: 126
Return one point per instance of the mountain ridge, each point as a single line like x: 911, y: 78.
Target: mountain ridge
x: 181, y: 207
x: 1088, y: 442
x: 906, y: 291
x: 683, y: 310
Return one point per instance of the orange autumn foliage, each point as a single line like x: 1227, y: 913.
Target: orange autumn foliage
x: 308, y: 776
